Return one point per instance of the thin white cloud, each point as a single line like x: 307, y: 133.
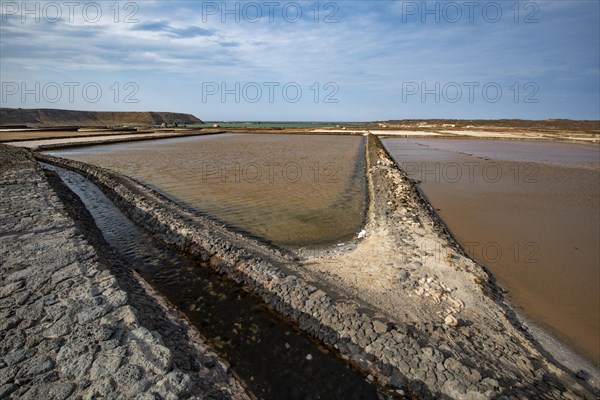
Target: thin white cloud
x: 370, y: 49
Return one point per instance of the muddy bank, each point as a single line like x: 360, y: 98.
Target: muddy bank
x: 76, y: 321
x: 444, y: 335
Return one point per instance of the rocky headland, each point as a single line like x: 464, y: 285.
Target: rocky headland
x: 46, y: 117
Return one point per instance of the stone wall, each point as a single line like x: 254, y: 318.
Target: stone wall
x: 67, y: 327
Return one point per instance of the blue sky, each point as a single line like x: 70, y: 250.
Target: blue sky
x: 326, y: 61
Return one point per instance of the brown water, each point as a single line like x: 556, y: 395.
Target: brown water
x: 530, y: 212
x: 290, y: 190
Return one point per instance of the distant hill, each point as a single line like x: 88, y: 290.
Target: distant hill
x: 589, y: 126
x: 46, y: 117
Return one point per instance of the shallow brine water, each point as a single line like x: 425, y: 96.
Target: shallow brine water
x: 530, y: 212
x: 273, y: 359
x: 290, y: 190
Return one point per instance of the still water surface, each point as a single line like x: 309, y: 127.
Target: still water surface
x: 290, y: 190
x: 530, y: 211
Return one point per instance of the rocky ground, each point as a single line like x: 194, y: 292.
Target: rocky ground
x: 405, y: 305
x: 410, y: 272
x: 75, y: 321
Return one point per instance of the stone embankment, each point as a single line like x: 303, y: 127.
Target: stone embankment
x: 452, y: 362
x: 43, y: 144
x: 72, y: 327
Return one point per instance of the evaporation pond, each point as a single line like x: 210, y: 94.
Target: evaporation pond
x: 290, y: 190
x: 530, y: 212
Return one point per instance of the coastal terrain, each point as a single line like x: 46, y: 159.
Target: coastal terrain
x: 78, y: 320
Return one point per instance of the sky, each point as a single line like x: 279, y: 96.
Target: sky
x: 305, y: 60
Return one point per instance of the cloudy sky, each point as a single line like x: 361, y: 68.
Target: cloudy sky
x: 325, y: 61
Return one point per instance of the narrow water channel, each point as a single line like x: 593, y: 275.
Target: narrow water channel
x: 274, y: 359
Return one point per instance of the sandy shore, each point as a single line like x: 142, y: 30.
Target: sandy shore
x: 571, y: 137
